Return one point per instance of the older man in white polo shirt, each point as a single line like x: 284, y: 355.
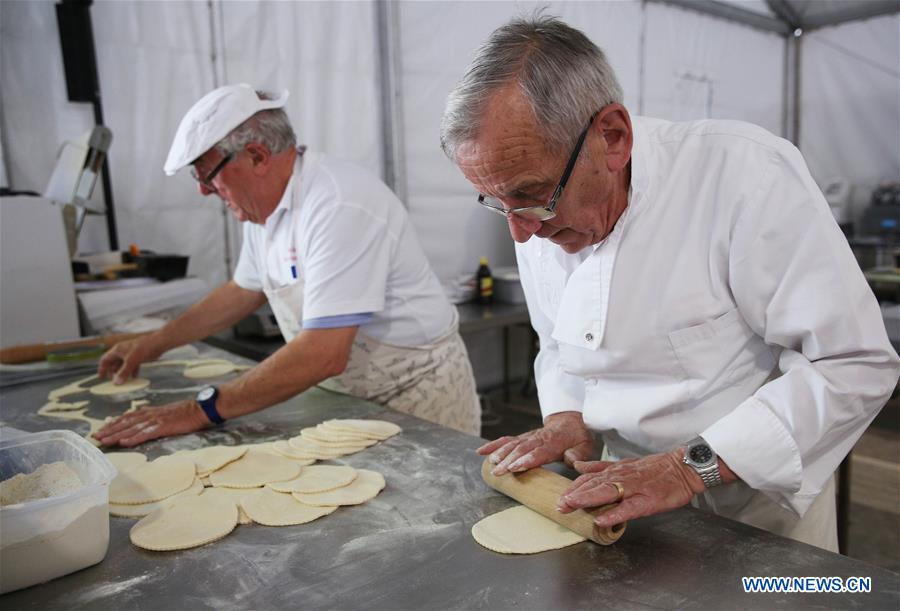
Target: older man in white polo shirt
x: 332, y: 250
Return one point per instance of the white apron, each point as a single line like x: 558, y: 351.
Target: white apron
x: 433, y: 382
x: 737, y: 501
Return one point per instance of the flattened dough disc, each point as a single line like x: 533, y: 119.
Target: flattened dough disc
x: 108, y: 388
x: 318, y: 478
x: 519, y: 530
x: 125, y: 461
x: 255, y: 469
x: 366, y: 486
x: 212, y: 369
x: 213, y: 458
x: 153, y: 481
x: 271, y: 508
x: 305, y: 447
x: 376, y: 429
x: 234, y: 495
x: 335, y: 438
x: 188, y: 522
x: 139, y: 511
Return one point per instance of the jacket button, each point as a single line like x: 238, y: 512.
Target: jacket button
x: 589, y: 337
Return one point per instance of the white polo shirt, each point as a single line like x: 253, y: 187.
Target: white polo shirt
x: 342, y: 231
x: 725, y: 303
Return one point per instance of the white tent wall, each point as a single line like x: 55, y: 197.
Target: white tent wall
x: 702, y: 67
x: 326, y: 55
x: 37, y: 116
x: 154, y: 60
x: 850, y: 104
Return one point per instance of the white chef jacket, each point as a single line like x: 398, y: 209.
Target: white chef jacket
x: 725, y: 303
x: 348, y: 236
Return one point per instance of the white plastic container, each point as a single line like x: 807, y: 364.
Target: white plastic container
x: 47, y: 538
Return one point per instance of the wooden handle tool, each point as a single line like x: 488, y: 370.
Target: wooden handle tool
x: 539, y: 490
x: 28, y: 353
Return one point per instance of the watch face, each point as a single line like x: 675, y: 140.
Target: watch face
x: 206, y: 393
x: 701, y: 454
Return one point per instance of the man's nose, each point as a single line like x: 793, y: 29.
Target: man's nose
x: 205, y: 189
x: 520, y: 228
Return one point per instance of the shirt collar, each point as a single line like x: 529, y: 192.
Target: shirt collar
x: 287, y: 198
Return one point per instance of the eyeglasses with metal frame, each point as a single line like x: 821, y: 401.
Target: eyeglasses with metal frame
x: 548, y: 211
x: 207, y: 180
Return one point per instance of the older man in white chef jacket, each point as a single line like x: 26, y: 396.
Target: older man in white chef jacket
x: 332, y: 250
x: 696, y: 302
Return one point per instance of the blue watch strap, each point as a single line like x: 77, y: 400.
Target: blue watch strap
x: 207, y: 402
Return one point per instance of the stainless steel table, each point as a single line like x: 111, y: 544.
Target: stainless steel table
x: 410, y: 547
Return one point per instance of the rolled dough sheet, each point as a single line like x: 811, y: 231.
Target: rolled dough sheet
x: 255, y: 469
x: 188, y: 522
x: 108, y: 388
x: 234, y: 495
x: 153, y: 481
x: 366, y: 486
x: 318, y: 478
x: 270, y: 508
x: 125, y: 461
x: 143, y: 509
x: 377, y: 429
x: 519, y: 530
x: 72, y: 388
x: 59, y: 406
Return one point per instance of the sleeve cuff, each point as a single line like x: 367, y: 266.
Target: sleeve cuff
x: 560, y: 392
x: 755, y: 444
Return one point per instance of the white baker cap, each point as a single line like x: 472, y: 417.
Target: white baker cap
x: 212, y: 118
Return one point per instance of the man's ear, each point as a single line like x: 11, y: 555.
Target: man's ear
x: 260, y: 158
x: 615, y: 124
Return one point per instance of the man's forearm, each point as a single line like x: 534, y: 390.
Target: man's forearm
x: 223, y: 307
x: 311, y: 357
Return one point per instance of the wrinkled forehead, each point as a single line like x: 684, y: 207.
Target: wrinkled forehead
x: 506, y: 157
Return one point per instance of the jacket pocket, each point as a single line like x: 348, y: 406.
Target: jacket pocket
x: 720, y: 350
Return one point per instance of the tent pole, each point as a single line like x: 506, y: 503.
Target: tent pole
x: 390, y: 86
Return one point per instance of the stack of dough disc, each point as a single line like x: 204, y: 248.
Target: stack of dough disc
x: 194, y: 497
x: 336, y: 438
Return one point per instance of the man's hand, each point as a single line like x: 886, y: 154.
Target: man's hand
x: 652, y: 484
x: 563, y: 436
x: 124, y: 359
x: 149, y: 423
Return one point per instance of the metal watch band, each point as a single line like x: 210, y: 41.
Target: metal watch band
x: 711, y: 477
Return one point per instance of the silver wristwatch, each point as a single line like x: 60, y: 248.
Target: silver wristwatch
x: 701, y: 458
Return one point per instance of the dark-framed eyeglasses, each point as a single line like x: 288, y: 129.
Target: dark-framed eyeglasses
x: 548, y: 211
x: 207, y: 180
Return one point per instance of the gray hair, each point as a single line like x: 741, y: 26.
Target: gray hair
x: 563, y: 76
x: 271, y: 128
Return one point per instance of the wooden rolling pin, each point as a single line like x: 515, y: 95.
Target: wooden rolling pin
x: 539, y: 490
x: 29, y: 353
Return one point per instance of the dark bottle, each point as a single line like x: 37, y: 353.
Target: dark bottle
x: 484, y: 283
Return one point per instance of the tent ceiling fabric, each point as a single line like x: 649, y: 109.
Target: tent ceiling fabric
x: 783, y: 16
